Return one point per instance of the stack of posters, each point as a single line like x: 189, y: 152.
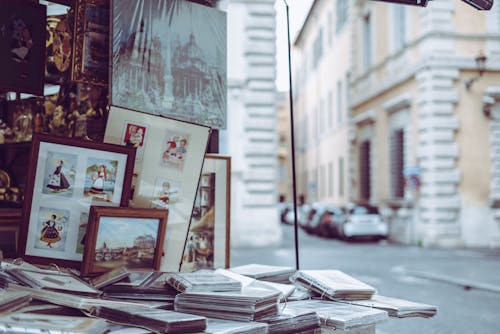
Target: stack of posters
x: 278, y: 274
x: 220, y: 326
x: 44, y: 323
x: 398, y: 307
x: 202, y: 280
x: 53, y: 281
x: 141, y: 285
x: 162, y: 321
x: 285, y: 289
x: 292, y: 321
x: 79, y: 302
x: 12, y: 300
x: 342, y: 316
x: 249, y: 304
x: 333, y: 284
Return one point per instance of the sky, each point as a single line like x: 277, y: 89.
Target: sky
x: 298, y: 10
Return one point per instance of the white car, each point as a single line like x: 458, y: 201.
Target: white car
x: 364, y: 221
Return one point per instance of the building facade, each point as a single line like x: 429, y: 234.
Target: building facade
x: 251, y: 137
x: 423, y: 136
x: 322, y: 63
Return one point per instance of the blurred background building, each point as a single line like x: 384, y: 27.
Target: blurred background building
x: 251, y: 138
x: 398, y: 106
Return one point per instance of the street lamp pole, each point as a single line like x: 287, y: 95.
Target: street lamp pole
x: 292, y: 139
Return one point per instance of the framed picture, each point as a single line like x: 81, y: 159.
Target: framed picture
x: 22, y: 46
x: 59, y: 44
x: 123, y: 237
x: 208, y: 245
x: 165, y: 65
x: 91, y: 42
x: 168, y: 174
x: 66, y: 177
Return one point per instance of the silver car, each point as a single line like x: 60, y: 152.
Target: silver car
x: 364, y: 221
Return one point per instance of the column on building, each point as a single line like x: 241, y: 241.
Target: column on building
x: 437, y: 156
x: 252, y: 135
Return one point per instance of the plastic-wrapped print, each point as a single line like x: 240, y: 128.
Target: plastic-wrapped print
x: 169, y: 59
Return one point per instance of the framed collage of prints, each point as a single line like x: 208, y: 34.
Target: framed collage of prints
x: 65, y: 178
x: 208, y: 240
x: 167, y: 168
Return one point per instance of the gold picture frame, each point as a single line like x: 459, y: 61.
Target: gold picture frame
x: 91, y: 42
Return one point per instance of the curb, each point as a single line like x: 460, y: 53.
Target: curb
x: 466, y: 284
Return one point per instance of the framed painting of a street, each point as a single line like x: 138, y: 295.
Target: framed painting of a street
x: 169, y: 59
x: 123, y: 237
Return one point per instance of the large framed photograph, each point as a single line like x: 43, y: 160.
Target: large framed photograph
x: 22, y: 46
x: 165, y: 65
x: 208, y: 241
x: 166, y: 177
x: 91, y: 42
x: 66, y: 177
x: 123, y: 237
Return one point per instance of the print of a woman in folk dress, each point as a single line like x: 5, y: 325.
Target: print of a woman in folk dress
x: 50, y: 231
x: 99, y: 179
x: 58, y: 180
x: 60, y: 174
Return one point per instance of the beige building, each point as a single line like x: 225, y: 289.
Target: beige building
x: 422, y: 139
x: 322, y: 61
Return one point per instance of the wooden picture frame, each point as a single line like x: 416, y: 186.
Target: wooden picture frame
x: 208, y: 241
x: 65, y: 178
x: 168, y: 173
x: 22, y: 46
x: 91, y: 42
x: 123, y: 237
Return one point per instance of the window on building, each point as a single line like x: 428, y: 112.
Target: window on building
x: 318, y: 48
x: 342, y: 11
x: 330, y: 109
x: 322, y: 182
x: 330, y: 28
x: 397, y: 163
x: 399, y: 31
x: 367, y: 42
x: 364, y: 171
x: 322, y: 117
x: 330, y: 179
x: 340, y: 111
x: 341, y: 177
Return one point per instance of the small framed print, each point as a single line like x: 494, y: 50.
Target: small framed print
x: 123, y: 237
x: 168, y: 173
x: 22, y: 46
x: 207, y: 245
x: 91, y: 42
x: 66, y: 177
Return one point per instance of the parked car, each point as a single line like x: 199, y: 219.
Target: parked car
x: 301, y: 215
x: 330, y: 222
x: 284, y: 208
x: 309, y: 223
x: 364, y: 221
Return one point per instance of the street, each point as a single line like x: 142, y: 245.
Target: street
x: 463, y: 284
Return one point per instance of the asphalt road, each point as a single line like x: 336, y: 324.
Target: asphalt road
x: 463, y: 284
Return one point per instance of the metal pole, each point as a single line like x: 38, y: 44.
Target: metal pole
x: 292, y: 139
